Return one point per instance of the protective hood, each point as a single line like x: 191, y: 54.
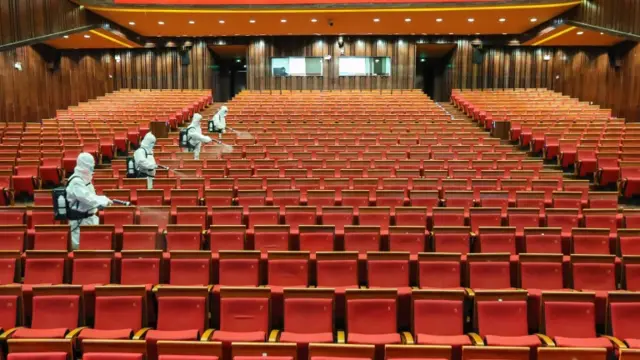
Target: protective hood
x: 85, y: 165
x: 223, y: 111
x: 148, y: 142
x: 195, y: 121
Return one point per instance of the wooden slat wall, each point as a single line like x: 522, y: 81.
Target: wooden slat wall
x: 26, y: 19
x: 163, y: 69
x: 402, y: 53
x: 621, y: 15
x: 36, y: 92
x: 582, y: 73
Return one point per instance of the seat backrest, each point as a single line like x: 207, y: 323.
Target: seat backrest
x: 593, y: 273
x: 97, y: 237
x: 451, y: 239
x: 590, y: 241
x: 191, y: 268
x: 407, y: 238
x: 388, y: 269
x: 55, y: 311
x: 140, y: 270
x: 226, y: 237
x: 337, y: 269
x: 485, y: 217
x: 501, y: 317
x: 92, y: 269
x: 139, y: 237
x: 375, y: 216
x: 566, y: 219
x: 338, y: 217
x: 184, y: 237
x: 439, y: 270
x: 231, y: 215
x: 158, y: 216
x: 314, y: 238
x: 543, y: 240
x: 263, y: 215
x: 308, y: 314
x: 489, y: 271
x: 239, y: 268
x: 541, y: 272
x: 448, y: 216
x: 244, y: 313
x: 271, y: 238
x: 497, y: 239
x: 371, y: 315
x: 182, y: 313
x: 362, y: 238
x: 575, y: 319
x: 118, y: 312
x: 623, y: 318
x: 13, y: 237
x: 288, y: 268
x: 628, y: 242
x: 43, y: 270
x: 438, y: 312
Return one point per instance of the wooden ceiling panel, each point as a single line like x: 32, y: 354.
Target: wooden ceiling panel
x: 227, y: 22
x: 92, y: 39
x: 567, y: 35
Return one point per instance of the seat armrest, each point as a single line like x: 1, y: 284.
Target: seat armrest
x: 7, y: 334
x: 140, y: 334
x: 340, y: 337
x: 274, y: 336
x: 207, y: 334
x: 616, y: 342
x: 75, y: 332
x: 545, y: 340
x: 476, y: 339
x: 469, y: 292
x: 407, y: 338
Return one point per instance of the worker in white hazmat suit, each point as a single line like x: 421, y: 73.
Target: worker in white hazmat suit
x: 194, y: 133
x: 219, y: 121
x: 82, y: 198
x: 145, y: 162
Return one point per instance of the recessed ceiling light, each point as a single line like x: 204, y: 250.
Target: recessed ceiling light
x: 132, y: 23
x: 504, y: 33
x: 450, y: 33
x: 238, y: 60
x: 601, y: 33
x: 477, y: 33
x: 422, y: 60
x: 191, y: 22
x: 221, y: 21
x: 160, y: 22
x: 376, y: 20
x: 534, y: 19
x: 283, y: 20
x: 580, y: 32
x: 252, y: 21
x: 471, y: 19
x: 407, y: 20
x: 502, y: 19
x: 66, y: 36
x: 314, y: 20
x: 87, y: 36
x: 438, y: 20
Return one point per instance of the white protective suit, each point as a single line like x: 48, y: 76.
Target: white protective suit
x: 219, y: 122
x: 195, y: 135
x: 81, y: 196
x: 145, y: 162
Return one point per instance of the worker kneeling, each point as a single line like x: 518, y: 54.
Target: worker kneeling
x: 83, y: 202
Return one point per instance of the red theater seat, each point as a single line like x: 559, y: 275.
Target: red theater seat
x: 243, y: 315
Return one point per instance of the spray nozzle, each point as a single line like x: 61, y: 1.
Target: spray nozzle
x: 120, y: 202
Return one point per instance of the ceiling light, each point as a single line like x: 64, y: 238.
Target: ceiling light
x: 504, y: 33
x: 601, y: 33
x: 534, y: 19
x: 221, y: 21
x: 407, y: 20
x: 191, y: 22
x: 132, y: 23
x: 283, y: 20
x: 87, y: 36
x: 423, y: 60
x: 471, y: 19
x: 238, y: 60
x: 160, y: 22
x: 376, y: 20
x: 580, y: 32
x: 252, y: 21
x: 438, y: 20
x: 314, y: 20
x: 502, y: 19
x: 450, y: 33
x: 477, y: 33
x: 66, y: 36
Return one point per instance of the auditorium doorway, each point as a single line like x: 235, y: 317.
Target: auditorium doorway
x: 228, y: 71
x: 432, y: 62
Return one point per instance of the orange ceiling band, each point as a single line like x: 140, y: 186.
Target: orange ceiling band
x: 111, y: 39
x: 551, y: 37
x: 285, y: 11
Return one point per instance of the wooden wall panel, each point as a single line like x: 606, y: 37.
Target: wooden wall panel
x: 163, y: 69
x: 402, y: 53
x: 621, y: 15
x: 36, y: 92
x: 26, y: 19
x: 582, y: 73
